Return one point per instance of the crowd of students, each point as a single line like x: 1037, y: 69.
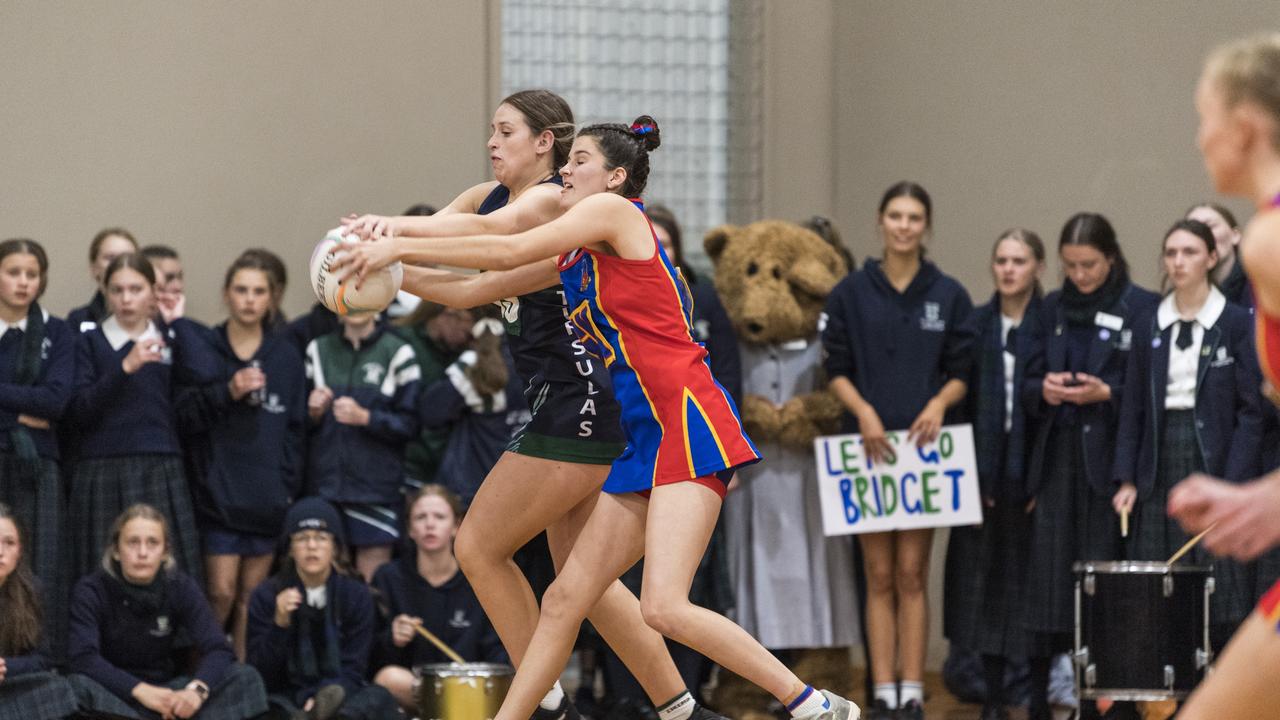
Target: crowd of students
x: 176, y: 497
x: 181, y: 484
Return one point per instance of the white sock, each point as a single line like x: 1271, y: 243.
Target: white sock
x: 912, y: 690
x: 679, y: 707
x: 551, y: 701
x: 808, y: 704
x: 888, y: 694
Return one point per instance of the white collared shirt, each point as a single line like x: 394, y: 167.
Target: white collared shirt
x: 117, y: 336
x: 317, y: 597
x: 1184, y: 365
x: 1006, y: 324
x: 21, y: 324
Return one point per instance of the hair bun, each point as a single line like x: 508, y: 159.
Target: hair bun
x: 645, y: 128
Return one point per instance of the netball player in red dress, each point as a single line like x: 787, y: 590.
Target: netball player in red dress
x: 684, y: 438
x: 1238, y: 99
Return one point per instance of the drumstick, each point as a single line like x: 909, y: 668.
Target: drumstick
x: 1190, y: 544
x: 438, y: 643
x: 1124, y: 523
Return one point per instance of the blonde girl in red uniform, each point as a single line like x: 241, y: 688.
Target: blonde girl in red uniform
x: 1238, y: 99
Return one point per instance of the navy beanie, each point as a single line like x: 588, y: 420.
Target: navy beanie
x: 313, y: 513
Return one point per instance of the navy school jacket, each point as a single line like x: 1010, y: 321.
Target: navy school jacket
x: 48, y: 397
x: 1002, y: 456
x: 270, y: 646
x: 1228, y: 408
x: 898, y: 349
x: 1112, y: 341
x: 115, y: 414
x: 451, y: 612
x: 247, y: 460
x: 479, y: 426
x: 119, y: 646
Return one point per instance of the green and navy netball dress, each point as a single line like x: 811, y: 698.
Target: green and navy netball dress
x: 680, y: 423
x: 575, y: 418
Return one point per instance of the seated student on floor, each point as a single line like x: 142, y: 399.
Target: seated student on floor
x: 426, y: 588
x: 128, y: 620
x: 28, y: 690
x: 311, y: 625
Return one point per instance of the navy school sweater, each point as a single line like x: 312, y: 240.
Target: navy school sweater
x: 270, y: 646
x: 247, y: 460
x: 479, y: 426
x: 451, y: 612
x: 348, y: 463
x: 48, y: 397
x: 115, y: 414
x: 118, y: 644
x: 898, y: 349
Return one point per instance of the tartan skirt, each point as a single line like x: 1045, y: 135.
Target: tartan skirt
x: 1070, y: 523
x: 36, y: 696
x: 1156, y: 536
x: 986, y: 575
x: 39, y: 503
x: 102, y: 488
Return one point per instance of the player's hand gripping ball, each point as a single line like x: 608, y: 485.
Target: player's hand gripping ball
x: 343, y: 297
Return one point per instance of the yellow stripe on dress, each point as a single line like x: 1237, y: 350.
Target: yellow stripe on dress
x: 706, y: 420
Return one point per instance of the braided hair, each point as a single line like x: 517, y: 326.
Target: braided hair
x: 627, y: 147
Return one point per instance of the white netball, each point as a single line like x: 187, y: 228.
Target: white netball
x: 374, y: 294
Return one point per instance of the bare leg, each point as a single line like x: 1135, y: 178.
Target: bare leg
x: 882, y: 615
x: 611, y: 542
x: 1243, y: 684
x: 253, y: 570
x: 910, y: 576
x: 519, y: 498
x: 370, y: 558
x: 399, y: 682
x: 616, y: 616
x: 680, y: 521
x: 221, y: 572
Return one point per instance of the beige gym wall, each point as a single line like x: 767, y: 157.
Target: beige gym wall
x: 217, y: 126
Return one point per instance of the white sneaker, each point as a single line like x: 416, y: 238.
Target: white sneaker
x: 841, y: 709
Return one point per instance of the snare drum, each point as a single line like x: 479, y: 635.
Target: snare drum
x: 1142, y: 629
x: 461, y: 691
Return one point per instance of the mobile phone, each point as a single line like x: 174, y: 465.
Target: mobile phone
x: 1072, y: 381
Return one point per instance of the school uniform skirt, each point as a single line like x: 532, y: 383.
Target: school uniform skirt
x: 103, y: 487
x: 1156, y: 536
x: 985, y: 583
x: 239, y: 695
x: 38, y: 503
x: 36, y: 696
x: 1070, y: 523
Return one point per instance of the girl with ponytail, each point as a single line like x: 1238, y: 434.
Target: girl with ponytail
x: 552, y: 469
x: 630, y: 309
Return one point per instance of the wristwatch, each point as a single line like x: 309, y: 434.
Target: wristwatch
x: 199, y: 688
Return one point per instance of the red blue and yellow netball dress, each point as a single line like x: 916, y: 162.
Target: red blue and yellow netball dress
x: 1268, y: 339
x: 679, y: 422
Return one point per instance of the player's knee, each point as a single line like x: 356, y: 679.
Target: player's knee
x: 560, y: 602
x: 662, y: 613
x: 470, y: 552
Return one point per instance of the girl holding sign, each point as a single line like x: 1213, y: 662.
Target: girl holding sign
x: 898, y: 346
x: 1200, y: 412
x: 986, y: 564
x: 1089, y: 328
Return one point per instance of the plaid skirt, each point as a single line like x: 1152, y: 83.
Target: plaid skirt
x: 240, y: 695
x: 1156, y: 536
x: 102, y: 488
x: 40, y: 506
x: 1070, y: 523
x: 36, y: 696
x: 985, y: 583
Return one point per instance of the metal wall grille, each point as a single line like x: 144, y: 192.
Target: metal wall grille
x: 616, y: 59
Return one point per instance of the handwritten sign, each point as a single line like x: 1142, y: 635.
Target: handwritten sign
x: 920, y: 487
